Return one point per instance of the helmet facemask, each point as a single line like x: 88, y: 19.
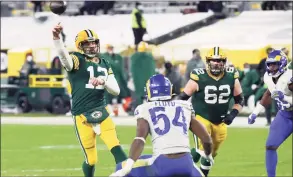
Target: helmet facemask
x: 216, y: 66
x: 90, y: 47
x: 273, y: 68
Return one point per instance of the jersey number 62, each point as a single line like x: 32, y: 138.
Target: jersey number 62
x: 212, y: 98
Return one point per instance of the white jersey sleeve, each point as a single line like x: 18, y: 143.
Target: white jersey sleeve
x: 138, y: 113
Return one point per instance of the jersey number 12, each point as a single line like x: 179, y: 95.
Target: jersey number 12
x: 162, y: 116
x: 90, y: 69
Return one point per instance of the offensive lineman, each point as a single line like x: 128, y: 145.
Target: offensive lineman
x: 168, y: 123
x: 89, y: 75
x: 211, y: 90
x: 280, y: 87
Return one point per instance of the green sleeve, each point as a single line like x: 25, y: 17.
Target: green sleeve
x: 194, y: 75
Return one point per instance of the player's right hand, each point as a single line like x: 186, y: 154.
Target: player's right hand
x: 251, y: 118
x: 97, y: 81
x: 56, y: 31
x: 277, y: 95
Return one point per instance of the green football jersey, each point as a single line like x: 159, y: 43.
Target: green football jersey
x: 212, y: 99
x: 86, y: 97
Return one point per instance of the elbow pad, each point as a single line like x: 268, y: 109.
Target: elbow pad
x: 239, y: 99
x: 183, y: 96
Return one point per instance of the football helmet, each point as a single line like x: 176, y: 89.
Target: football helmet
x: 158, y: 87
x: 216, y: 61
x: 142, y: 46
x: 276, y: 63
x: 88, y: 43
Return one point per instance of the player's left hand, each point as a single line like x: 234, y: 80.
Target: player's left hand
x: 95, y: 81
x: 125, y: 170
x: 277, y: 95
x: 251, y: 118
x: 207, y: 157
x: 228, y: 119
x: 282, y: 104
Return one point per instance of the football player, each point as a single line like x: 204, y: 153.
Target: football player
x: 279, y: 80
x: 211, y: 90
x: 168, y: 123
x: 89, y: 75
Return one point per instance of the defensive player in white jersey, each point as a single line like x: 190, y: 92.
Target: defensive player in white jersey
x: 168, y: 122
x: 279, y: 80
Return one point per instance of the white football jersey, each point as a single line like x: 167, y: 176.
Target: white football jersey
x: 281, y: 85
x: 169, y: 123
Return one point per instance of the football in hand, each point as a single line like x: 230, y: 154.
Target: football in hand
x: 58, y: 7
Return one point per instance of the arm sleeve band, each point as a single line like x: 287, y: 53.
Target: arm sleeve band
x: 239, y: 99
x: 183, y: 96
x: 140, y: 138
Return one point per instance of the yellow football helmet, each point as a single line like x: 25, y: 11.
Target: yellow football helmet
x: 216, y: 60
x: 142, y: 46
x: 87, y: 42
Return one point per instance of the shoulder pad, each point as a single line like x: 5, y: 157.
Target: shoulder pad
x: 108, y: 65
x: 78, y: 54
x: 103, y: 60
x: 233, y: 71
x: 75, y: 59
x: 236, y: 74
x: 186, y: 104
x: 194, y: 75
x: 139, y: 112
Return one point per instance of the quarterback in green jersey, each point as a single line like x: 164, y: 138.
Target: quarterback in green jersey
x: 90, y: 76
x: 211, y: 90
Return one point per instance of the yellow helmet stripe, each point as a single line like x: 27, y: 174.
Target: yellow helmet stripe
x: 148, y: 89
x: 89, y: 33
x: 216, y: 51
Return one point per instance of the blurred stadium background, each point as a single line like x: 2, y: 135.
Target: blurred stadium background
x: 33, y: 83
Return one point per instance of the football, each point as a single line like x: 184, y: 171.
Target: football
x: 58, y: 7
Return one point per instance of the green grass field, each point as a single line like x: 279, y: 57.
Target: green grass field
x: 28, y: 150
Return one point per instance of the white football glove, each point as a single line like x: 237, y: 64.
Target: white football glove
x: 119, y: 173
x: 125, y: 170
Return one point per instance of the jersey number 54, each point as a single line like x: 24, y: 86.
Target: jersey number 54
x: 162, y: 116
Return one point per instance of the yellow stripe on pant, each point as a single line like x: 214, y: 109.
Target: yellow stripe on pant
x: 87, y: 137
